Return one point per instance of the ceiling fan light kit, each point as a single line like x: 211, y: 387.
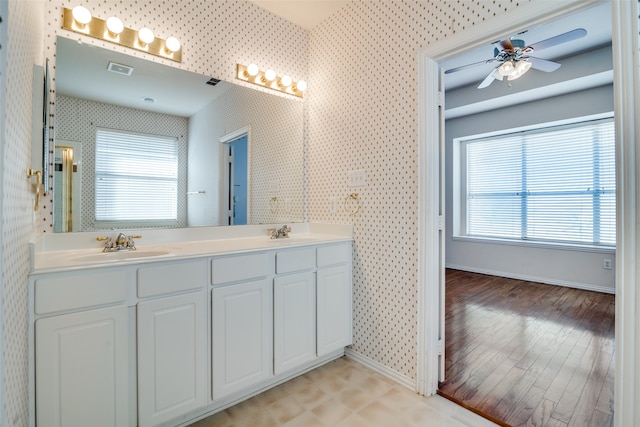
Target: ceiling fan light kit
x: 514, y: 59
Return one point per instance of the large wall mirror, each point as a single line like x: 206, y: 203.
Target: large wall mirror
x: 143, y: 145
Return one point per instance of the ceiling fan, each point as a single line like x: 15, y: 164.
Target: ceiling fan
x: 514, y: 59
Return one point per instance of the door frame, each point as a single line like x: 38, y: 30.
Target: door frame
x: 626, y: 98
x: 224, y: 140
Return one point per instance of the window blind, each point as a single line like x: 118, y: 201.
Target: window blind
x: 136, y: 176
x: 554, y: 184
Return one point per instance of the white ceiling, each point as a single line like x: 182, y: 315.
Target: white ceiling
x: 305, y: 13
x: 81, y: 72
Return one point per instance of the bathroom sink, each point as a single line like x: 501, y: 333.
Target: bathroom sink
x: 119, y: 256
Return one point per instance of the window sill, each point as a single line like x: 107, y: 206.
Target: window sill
x: 539, y: 245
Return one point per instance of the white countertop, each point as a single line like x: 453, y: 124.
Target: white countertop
x: 67, y: 259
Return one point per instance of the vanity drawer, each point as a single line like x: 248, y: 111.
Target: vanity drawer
x: 80, y: 290
x: 170, y: 278
x: 334, y: 254
x: 241, y: 267
x: 295, y: 260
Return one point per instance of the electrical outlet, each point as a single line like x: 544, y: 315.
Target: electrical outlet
x: 606, y: 264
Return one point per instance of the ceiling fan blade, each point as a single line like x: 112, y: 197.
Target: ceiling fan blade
x: 464, y: 67
x: 561, y: 38
x: 543, y: 64
x: 488, y: 80
x: 507, y: 45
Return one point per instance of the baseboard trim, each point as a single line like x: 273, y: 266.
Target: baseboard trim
x: 545, y: 280
x: 381, y: 369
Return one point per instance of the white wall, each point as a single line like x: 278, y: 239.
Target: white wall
x: 563, y: 267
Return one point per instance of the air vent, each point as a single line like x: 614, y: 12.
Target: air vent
x: 213, y: 81
x: 125, y: 70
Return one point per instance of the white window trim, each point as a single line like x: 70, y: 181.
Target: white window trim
x: 460, y: 190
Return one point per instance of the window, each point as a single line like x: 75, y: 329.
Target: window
x: 553, y: 184
x: 136, y: 177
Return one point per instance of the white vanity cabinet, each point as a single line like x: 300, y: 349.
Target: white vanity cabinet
x: 82, y: 369
x: 241, y: 322
x: 172, y: 341
x: 334, y: 296
x: 82, y: 349
x: 294, y: 309
x: 163, y: 342
x: 294, y: 321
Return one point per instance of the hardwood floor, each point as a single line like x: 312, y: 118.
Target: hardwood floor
x: 529, y: 354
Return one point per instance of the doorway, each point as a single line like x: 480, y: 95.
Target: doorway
x: 237, y: 193
x: 627, y: 93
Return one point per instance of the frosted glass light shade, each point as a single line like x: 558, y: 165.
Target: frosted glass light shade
x: 301, y: 85
x: 173, y: 44
x: 286, y: 81
x: 252, y: 70
x: 81, y: 14
x: 115, y: 25
x: 146, y: 35
x: 270, y: 75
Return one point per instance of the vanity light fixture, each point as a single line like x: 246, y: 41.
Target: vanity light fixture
x: 79, y: 20
x: 269, y: 79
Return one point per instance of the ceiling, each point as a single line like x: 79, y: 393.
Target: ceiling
x: 585, y: 63
x: 305, y: 13
x: 81, y: 72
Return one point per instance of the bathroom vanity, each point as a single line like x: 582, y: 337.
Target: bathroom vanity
x: 179, y: 330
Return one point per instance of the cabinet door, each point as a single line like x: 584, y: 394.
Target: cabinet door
x: 172, y: 340
x: 241, y: 336
x: 82, y: 369
x: 334, y: 308
x: 294, y: 321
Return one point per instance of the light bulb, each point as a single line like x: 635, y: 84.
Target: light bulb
x: 286, y: 81
x: 145, y: 36
x: 172, y: 44
x: 82, y: 15
x: 252, y: 70
x: 506, y: 68
x: 115, y: 26
x: 301, y: 85
x: 270, y: 75
x: 521, y: 68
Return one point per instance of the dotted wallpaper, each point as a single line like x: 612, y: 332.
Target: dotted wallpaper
x: 78, y: 119
x: 215, y: 36
x: 362, y: 115
x: 23, y: 50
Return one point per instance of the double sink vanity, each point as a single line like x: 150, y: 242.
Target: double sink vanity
x: 191, y: 322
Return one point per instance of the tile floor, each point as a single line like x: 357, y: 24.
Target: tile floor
x: 339, y: 394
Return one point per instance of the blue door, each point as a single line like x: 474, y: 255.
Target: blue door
x: 238, y: 184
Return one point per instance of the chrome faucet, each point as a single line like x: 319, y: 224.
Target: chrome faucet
x: 121, y: 243
x: 277, y: 233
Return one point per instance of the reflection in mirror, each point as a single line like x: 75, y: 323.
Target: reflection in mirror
x: 144, y: 99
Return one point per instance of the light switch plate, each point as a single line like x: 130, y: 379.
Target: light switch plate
x: 357, y: 178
